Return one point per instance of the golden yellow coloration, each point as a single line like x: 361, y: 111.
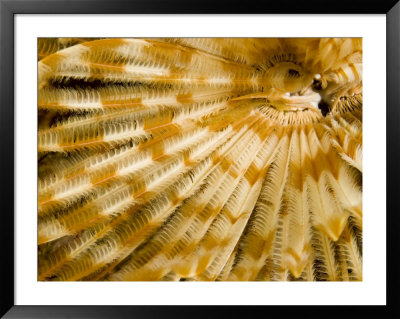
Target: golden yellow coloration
x: 200, y: 159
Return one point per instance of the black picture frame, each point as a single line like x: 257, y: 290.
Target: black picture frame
x: 8, y: 10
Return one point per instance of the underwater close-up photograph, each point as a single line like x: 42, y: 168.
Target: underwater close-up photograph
x: 200, y: 159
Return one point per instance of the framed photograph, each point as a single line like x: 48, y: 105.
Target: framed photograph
x: 165, y: 155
